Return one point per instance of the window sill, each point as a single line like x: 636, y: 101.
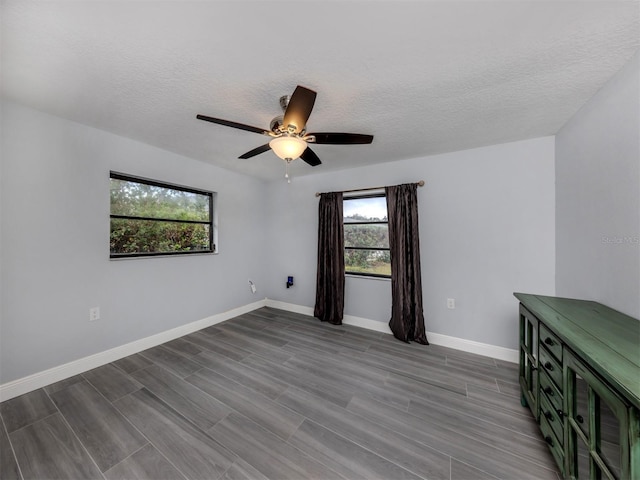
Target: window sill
x: 172, y: 255
x: 367, y: 277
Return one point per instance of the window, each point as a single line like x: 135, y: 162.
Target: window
x: 153, y: 218
x: 366, y: 235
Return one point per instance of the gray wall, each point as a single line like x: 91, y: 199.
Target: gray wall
x: 598, y: 197
x: 486, y: 229
x: 55, y: 245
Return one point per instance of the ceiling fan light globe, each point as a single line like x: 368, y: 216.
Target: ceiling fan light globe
x: 288, y: 147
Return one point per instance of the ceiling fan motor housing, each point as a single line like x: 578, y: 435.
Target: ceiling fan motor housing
x: 276, y: 124
x: 284, y: 102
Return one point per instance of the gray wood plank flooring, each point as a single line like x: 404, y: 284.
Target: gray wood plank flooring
x: 186, y: 446
x: 278, y: 395
x: 49, y: 449
x: 111, y: 382
x: 104, y: 432
x: 8, y: 465
x: 200, y: 408
x: 144, y: 464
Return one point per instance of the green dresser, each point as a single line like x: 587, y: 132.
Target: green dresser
x: 580, y: 376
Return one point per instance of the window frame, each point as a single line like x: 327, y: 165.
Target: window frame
x: 384, y: 249
x: 170, y: 186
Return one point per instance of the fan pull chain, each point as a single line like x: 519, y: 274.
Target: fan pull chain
x: 286, y: 170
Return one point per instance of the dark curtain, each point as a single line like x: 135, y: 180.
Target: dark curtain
x: 330, y: 277
x: 407, y: 319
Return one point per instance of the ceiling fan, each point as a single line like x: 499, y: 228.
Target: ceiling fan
x: 289, y: 137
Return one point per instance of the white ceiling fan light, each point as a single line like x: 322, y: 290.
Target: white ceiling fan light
x: 288, y: 147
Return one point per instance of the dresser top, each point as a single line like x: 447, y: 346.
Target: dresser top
x: 607, y: 340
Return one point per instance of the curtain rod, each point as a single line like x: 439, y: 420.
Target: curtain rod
x: 420, y: 184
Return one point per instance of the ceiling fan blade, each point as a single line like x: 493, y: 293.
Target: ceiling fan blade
x: 229, y: 123
x: 256, y: 151
x: 341, y: 138
x: 299, y: 108
x: 310, y: 157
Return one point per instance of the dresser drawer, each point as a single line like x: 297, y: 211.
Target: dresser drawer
x: 549, y: 389
x: 553, y: 417
x: 555, y: 445
x: 549, y: 365
x: 552, y: 342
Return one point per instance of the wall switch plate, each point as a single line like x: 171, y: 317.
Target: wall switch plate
x: 451, y: 303
x: 94, y: 314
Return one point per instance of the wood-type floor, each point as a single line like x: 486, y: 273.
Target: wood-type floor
x: 278, y: 395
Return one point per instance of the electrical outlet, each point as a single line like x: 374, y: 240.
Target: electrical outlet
x: 252, y: 287
x: 451, y: 303
x: 94, y: 314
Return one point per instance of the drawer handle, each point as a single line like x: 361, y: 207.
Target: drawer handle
x: 549, y: 440
x: 549, y: 341
x: 549, y: 415
x: 579, y: 418
x: 549, y: 391
x: 548, y: 366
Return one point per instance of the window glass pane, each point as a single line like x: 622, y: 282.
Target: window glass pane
x: 142, y: 200
x: 377, y: 262
x: 153, y: 236
x: 583, y: 462
x: 609, y: 441
x: 582, y: 404
x: 374, y: 235
x: 362, y: 231
x: 365, y: 209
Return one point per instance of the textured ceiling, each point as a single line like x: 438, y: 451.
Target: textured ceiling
x: 423, y: 77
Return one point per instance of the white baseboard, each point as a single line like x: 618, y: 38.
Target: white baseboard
x: 347, y: 320
x: 485, y: 349
x: 289, y: 307
x: 55, y: 374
